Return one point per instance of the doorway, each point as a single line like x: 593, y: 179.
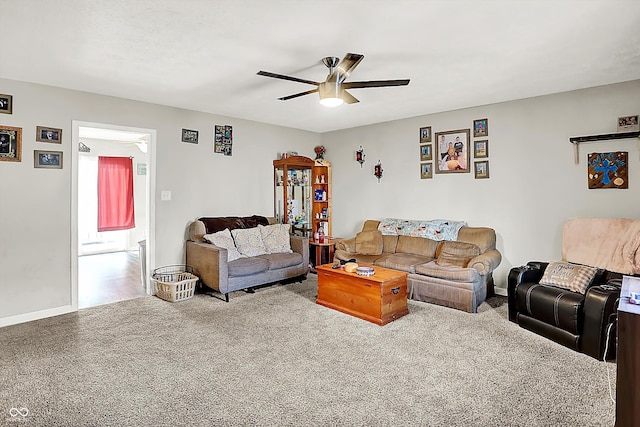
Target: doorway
x: 107, y: 266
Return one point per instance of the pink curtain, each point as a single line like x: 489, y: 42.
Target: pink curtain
x: 115, y: 193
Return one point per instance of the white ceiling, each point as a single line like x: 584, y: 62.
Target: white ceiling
x: 204, y: 55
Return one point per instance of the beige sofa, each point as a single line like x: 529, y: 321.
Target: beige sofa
x: 452, y: 273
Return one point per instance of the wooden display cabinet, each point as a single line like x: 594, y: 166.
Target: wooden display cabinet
x: 293, y: 198
x: 321, y: 194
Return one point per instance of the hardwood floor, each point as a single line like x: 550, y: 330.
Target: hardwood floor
x: 107, y: 278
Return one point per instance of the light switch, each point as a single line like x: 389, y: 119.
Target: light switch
x: 165, y: 195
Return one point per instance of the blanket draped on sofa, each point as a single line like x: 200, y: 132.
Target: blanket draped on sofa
x: 435, y: 229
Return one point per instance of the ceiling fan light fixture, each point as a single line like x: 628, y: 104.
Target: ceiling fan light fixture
x: 330, y: 94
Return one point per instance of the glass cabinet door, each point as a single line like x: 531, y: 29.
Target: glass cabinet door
x: 292, y: 193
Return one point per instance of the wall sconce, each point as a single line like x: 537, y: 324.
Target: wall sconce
x: 377, y: 170
x: 360, y: 156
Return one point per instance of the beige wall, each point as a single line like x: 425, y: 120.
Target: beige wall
x: 534, y: 186
x: 534, y: 183
x: 35, y: 239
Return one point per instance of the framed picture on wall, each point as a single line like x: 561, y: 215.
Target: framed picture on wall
x: 6, y: 104
x: 626, y: 124
x: 425, y: 134
x: 481, y: 169
x: 45, y: 134
x: 190, y: 136
x: 480, y: 128
x: 481, y: 149
x: 452, y: 151
x: 426, y: 170
x: 426, y: 153
x: 47, y: 159
x: 10, y: 144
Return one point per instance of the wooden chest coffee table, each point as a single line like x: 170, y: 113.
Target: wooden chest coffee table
x: 381, y: 298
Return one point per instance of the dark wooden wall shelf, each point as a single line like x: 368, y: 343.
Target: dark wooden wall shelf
x: 604, y: 137
x: 576, y: 140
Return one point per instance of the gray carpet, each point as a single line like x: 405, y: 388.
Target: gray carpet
x: 276, y: 358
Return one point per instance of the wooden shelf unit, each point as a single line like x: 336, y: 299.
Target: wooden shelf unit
x: 321, y: 184
x: 577, y: 140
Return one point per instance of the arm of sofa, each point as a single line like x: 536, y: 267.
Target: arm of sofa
x: 300, y: 245
x: 530, y: 273
x: 346, y: 245
x: 210, y: 264
x: 486, y: 262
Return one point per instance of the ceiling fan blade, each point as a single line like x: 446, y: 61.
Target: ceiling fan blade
x: 284, y: 98
x: 375, y: 83
x: 348, y: 98
x: 283, y: 77
x: 345, y: 67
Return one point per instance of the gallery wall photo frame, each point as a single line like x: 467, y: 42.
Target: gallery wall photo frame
x: 190, y: 136
x: 47, y: 159
x: 481, y: 149
x: 425, y: 134
x: 628, y: 124
x: 426, y: 152
x: 426, y: 170
x: 6, y: 104
x: 47, y: 134
x: 480, y: 128
x: 452, y: 151
x: 481, y: 169
x: 10, y: 144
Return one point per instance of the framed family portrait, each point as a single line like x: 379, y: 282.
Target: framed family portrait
x: 626, y: 124
x: 44, y: 134
x: 426, y: 153
x: 10, y: 144
x: 481, y: 149
x: 452, y: 151
x: 190, y: 136
x: 6, y: 104
x: 47, y: 159
x: 481, y: 169
x: 480, y: 128
x: 425, y: 134
x: 426, y: 170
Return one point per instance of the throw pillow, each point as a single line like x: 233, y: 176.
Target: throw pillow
x: 574, y: 277
x: 248, y: 241
x: 456, y: 254
x: 369, y: 242
x: 223, y: 239
x: 276, y: 238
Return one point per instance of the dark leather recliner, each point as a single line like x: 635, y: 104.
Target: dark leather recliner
x: 582, y: 322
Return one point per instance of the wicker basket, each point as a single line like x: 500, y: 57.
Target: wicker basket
x: 174, y: 283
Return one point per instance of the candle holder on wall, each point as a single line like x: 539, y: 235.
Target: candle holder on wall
x: 377, y: 170
x: 360, y: 156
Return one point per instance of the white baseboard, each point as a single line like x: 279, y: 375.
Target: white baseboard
x: 36, y: 315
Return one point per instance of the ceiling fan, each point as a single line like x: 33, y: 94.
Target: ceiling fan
x: 333, y: 90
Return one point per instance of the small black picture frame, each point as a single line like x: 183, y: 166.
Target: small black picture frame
x: 6, y: 104
x: 190, y: 136
x: 47, y: 159
x: 45, y: 134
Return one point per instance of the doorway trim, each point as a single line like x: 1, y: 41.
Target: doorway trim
x: 150, y: 200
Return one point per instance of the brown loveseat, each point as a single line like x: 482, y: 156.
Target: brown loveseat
x: 453, y: 273
x: 229, y: 266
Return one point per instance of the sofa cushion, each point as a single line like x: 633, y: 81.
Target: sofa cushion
x: 566, y: 275
x: 214, y: 224
x: 417, y: 246
x: 223, y: 239
x: 389, y: 243
x: 448, y: 272
x: 276, y: 238
x: 282, y: 260
x: 456, y: 254
x: 402, y: 262
x: 249, y: 241
x: 247, y: 266
x: 369, y: 242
